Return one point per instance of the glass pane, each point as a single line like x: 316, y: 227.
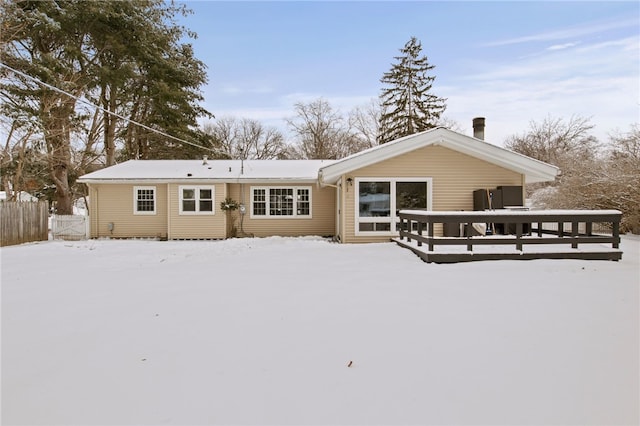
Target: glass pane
x: 145, y: 206
x: 303, y: 202
x: 145, y: 194
x: 259, y: 202
x: 411, y: 195
x: 281, y: 202
x: 188, y: 205
x: 144, y: 202
x: 188, y: 194
x: 365, y: 227
x: 206, y: 205
x: 205, y: 194
x: 374, y: 226
x: 374, y: 199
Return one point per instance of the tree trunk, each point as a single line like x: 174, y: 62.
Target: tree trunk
x: 64, y: 200
x: 57, y: 125
x: 110, y: 121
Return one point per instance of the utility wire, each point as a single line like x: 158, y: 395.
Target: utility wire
x: 91, y: 104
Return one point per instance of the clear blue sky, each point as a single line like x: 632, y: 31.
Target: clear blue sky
x: 511, y: 62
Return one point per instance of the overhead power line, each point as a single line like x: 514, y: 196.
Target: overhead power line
x: 91, y: 104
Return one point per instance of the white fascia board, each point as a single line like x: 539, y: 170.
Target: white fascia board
x: 205, y: 181
x: 287, y: 181
x: 149, y: 181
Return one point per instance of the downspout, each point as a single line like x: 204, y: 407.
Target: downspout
x: 322, y: 184
x: 96, y: 210
x: 169, y: 210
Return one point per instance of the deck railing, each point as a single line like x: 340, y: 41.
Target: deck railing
x: 517, y: 229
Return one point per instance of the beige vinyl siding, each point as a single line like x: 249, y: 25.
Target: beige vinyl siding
x: 322, y: 221
x: 113, y: 203
x: 454, y: 178
x: 196, y: 226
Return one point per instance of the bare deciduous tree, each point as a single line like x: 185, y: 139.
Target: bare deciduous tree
x: 593, y: 176
x: 321, y: 132
x: 363, y: 121
x: 247, y: 138
x: 558, y: 142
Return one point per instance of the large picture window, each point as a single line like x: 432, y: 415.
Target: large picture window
x: 144, y: 200
x: 281, y: 202
x: 380, y: 199
x: 196, y: 199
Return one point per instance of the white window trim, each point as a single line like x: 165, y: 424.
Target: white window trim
x: 295, y: 205
x: 135, y: 200
x: 197, y: 189
x: 393, y: 219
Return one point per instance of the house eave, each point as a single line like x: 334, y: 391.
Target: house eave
x: 199, y: 180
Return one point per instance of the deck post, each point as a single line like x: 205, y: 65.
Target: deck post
x: 419, y: 233
x: 519, y: 236
x: 431, y: 233
x: 616, y: 232
x: 539, y: 229
x: 560, y: 229
x: 574, y: 234
x: 589, y: 226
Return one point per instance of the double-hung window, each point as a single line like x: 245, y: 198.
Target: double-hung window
x: 379, y: 200
x: 144, y: 200
x: 281, y: 202
x: 196, y: 199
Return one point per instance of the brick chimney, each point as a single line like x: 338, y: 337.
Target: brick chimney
x: 478, y: 128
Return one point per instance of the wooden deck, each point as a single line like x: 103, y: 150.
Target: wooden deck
x: 524, y: 235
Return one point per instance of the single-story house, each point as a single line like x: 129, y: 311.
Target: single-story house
x: 354, y: 199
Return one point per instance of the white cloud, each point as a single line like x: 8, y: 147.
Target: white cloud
x: 562, y: 46
x: 568, y: 33
x: 238, y: 89
x: 596, y: 81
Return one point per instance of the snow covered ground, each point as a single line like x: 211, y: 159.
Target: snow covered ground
x: 261, y: 331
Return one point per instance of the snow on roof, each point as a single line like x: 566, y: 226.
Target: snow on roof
x: 327, y: 171
x: 219, y: 170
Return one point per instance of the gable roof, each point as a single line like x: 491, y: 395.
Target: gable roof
x: 326, y: 172
x: 534, y: 170
x: 248, y: 171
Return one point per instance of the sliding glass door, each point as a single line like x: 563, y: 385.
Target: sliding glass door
x: 379, y: 201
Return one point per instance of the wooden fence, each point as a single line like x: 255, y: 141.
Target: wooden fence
x: 23, y: 222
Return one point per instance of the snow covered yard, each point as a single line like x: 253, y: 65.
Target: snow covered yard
x: 261, y: 331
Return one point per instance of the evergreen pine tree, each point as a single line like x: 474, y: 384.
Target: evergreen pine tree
x: 407, y: 105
